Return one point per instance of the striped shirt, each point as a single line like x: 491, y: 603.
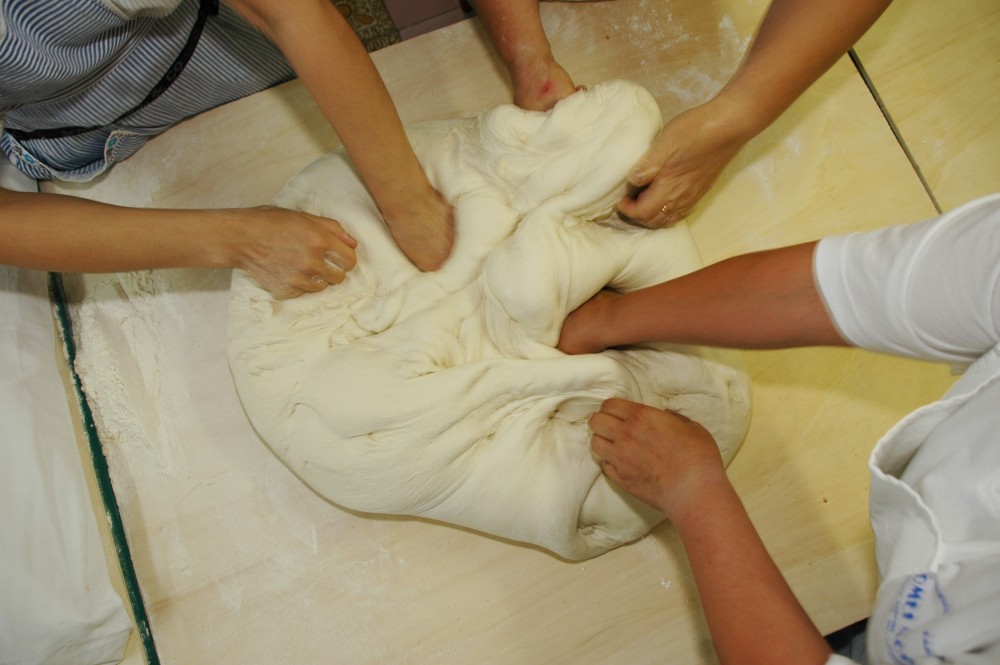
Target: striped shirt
x: 87, y: 62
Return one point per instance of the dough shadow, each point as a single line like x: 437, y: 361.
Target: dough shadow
x: 387, y: 517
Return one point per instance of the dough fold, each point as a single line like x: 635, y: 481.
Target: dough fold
x: 441, y: 394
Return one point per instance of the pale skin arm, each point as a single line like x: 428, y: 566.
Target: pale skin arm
x: 797, y: 42
x: 334, y: 66
x: 515, y: 28
x: 764, y: 300
x: 288, y: 252
x: 673, y: 464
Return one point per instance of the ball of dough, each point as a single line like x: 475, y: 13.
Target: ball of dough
x: 441, y: 394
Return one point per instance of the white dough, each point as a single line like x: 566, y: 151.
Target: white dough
x: 441, y: 394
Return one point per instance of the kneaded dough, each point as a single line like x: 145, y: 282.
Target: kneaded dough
x: 441, y: 394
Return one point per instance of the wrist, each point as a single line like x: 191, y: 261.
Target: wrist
x: 402, y: 205
x: 698, y: 498
x: 745, y: 108
x: 530, y: 62
x: 732, y: 119
x: 404, y: 192
x: 180, y: 239
x: 624, y: 319
x: 603, y: 325
x: 216, y: 234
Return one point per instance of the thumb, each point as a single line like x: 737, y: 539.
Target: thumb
x: 644, y: 170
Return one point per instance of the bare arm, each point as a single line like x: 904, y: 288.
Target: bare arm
x: 797, y: 42
x: 763, y: 300
x: 673, y: 464
x: 342, y: 79
x: 515, y: 29
x: 288, y: 252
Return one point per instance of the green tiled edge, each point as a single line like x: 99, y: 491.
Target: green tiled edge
x: 863, y: 73
x: 58, y: 295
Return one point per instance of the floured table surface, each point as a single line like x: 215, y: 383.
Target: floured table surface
x: 937, y: 69
x: 239, y: 562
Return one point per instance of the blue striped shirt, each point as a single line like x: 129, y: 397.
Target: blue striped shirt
x: 82, y: 63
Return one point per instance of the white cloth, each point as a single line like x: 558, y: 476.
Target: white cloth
x: 57, y: 605
x: 931, y: 290
x: 834, y: 659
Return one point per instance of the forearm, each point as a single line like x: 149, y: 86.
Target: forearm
x: 752, y: 614
x: 340, y: 76
x: 797, y: 41
x: 762, y: 300
x: 672, y: 463
x: 515, y: 27
x: 52, y: 232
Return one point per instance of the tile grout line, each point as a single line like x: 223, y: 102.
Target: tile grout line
x: 57, y: 295
x: 859, y: 66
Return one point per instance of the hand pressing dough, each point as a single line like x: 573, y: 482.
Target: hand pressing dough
x: 441, y: 394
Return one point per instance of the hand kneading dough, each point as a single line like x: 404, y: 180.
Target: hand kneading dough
x: 441, y: 394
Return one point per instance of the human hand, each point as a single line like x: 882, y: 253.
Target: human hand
x: 424, y: 229
x: 582, y: 330
x: 539, y: 84
x: 680, y: 166
x: 660, y: 457
x: 290, y: 252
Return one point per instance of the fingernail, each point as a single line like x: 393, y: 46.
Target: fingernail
x: 335, y: 259
x: 640, y: 174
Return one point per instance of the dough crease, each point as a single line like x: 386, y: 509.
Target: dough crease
x: 441, y: 394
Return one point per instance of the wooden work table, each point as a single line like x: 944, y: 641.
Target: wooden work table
x: 239, y: 563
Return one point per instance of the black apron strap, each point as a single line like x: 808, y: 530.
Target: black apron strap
x: 205, y: 9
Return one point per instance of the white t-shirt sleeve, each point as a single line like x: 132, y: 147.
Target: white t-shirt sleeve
x: 928, y: 290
